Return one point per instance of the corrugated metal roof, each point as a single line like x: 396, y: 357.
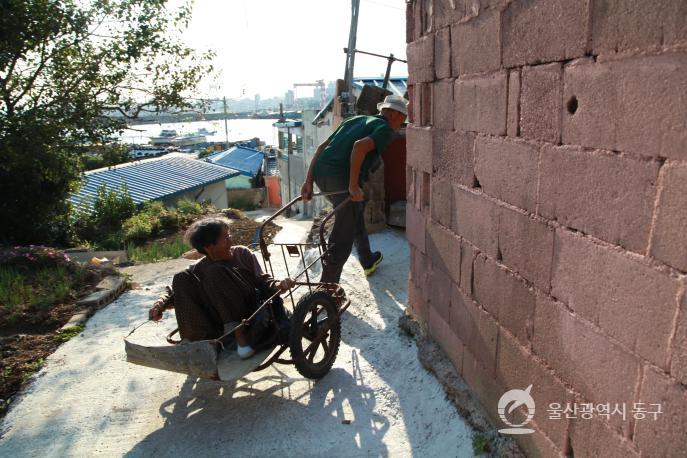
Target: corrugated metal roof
x: 398, y: 86
x: 248, y: 161
x: 153, y: 179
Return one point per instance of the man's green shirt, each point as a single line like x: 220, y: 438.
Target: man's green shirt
x: 335, y: 159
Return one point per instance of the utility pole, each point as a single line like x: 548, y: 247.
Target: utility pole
x: 350, y: 55
x: 226, y: 128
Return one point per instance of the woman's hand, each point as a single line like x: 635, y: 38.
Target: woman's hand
x: 286, y: 284
x: 356, y: 193
x: 155, y: 312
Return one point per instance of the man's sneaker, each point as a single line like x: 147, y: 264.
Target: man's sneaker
x: 373, y: 267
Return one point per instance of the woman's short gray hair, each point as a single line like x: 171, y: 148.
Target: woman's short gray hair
x: 206, y: 232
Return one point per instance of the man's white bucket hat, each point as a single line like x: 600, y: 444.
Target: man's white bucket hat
x: 394, y: 102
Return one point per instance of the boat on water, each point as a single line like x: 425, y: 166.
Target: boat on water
x: 204, y: 131
x: 189, y: 139
x: 165, y: 137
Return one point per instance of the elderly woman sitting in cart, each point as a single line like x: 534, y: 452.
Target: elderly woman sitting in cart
x: 224, y: 288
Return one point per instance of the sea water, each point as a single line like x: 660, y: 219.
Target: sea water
x: 237, y: 129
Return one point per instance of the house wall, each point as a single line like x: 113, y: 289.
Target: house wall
x: 238, y: 182
x: 215, y: 193
x: 547, y: 209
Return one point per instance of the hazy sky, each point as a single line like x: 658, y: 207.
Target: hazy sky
x: 264, y: 46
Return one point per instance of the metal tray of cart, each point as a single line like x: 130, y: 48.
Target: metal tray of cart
x: 314, y: 337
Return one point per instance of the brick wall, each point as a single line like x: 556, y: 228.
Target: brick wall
x: 547, y: 208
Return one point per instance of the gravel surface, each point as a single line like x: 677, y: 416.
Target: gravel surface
x: 377, y: 399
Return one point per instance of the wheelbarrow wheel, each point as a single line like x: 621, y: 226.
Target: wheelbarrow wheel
x: 315, y: 334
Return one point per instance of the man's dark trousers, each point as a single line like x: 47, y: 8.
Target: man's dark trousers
x: 349, y: 228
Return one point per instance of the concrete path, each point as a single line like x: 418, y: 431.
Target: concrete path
x: 376, y: 401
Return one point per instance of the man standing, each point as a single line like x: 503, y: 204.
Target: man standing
x: 342, y: 163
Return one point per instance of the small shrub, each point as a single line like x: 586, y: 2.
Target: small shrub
x: 113, y: 207
x: 139, y: 227
x: 480, y: 444
x: 189, y: 207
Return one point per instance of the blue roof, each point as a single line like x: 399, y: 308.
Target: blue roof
x: 153, y: 179
x: 397, y: 85
x: 247, y: 161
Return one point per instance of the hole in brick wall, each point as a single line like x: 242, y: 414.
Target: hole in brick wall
x: 572, y: 105
x: 425, y: 189
x: 475, y: 183
x: 499, y: 255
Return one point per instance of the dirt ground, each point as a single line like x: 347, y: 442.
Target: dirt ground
x: 377, y: 399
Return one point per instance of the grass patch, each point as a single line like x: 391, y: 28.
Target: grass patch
x: 31, y: 369
x: 69, y: 333
x: 22, y: 289
x: 158, y: 251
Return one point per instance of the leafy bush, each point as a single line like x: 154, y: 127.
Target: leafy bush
x: 100, y: 221
x: 189, y: 207
x: 140, y: 227
x: 113, y: 207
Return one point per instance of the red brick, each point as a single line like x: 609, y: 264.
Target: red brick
x: 442, y: 53
x: 410, y: 22
x: 415, y: 228
x: 632, y: 105
x: 517, y: 368
x: 481, y: 104
x: 666, y: 435
x: 605, y: 195
x: 447, y: 12
x: 421, y: 60
x: 541, y: 102
x: 467, y: 258
x: 420, y: 270
x: 504, y: 296
x: 476, y: 218
x: 526, y: 246
x: 442, y: 98
x: 426, y: 102
x: 507, y: 170
x: 543, y: 31
x: 447, y: 339
x: 537, y: 444
x: 414, y: 104
x: 475, y: 328
x: 453, y: 156
x: 617, y: 292
x: 620, y: 25
x: 419, y: 148
x: 417, y: 303
x: 443, y: 247
x: 441, y: 202
x: 513, y: 117
x: 678, y: 360
x: 410, y: 184
x: 594, y: 437
x: 440, y: 291
x: 483, y: 384
x: 669, y: 239
x: 585, y: 359
x: 476, y: 44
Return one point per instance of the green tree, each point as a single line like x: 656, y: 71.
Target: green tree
x: 72, y: 72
